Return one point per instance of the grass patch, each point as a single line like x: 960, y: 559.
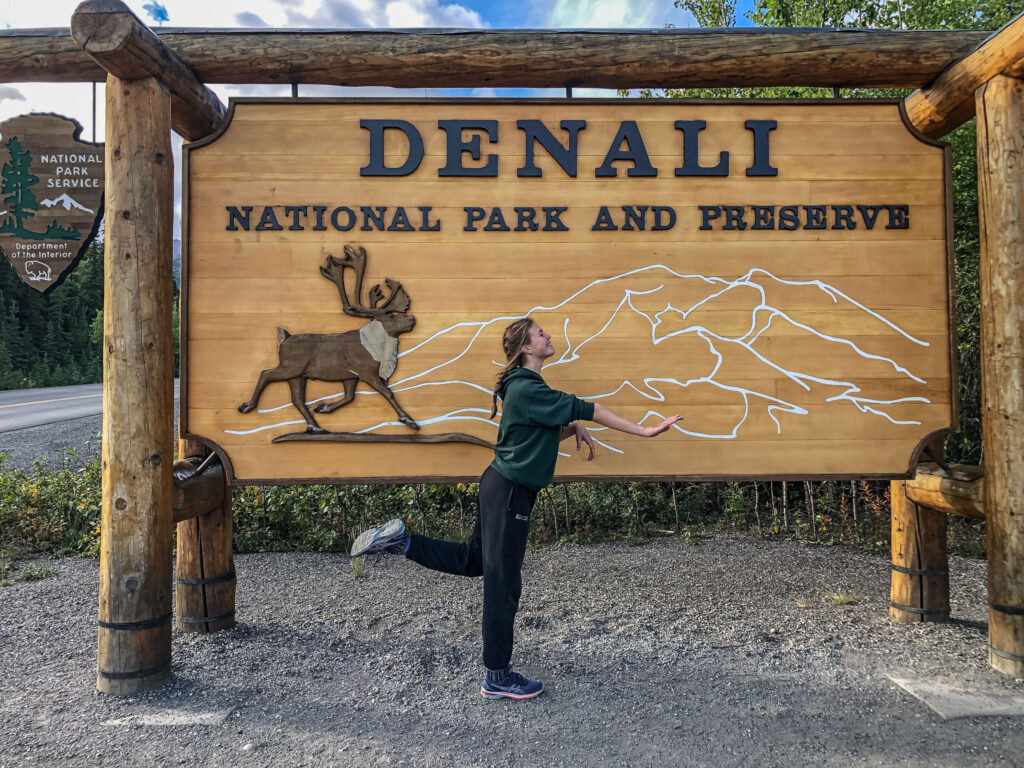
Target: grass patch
x: 358, y: 567
x: 34, y: 574
x: 844, y: 598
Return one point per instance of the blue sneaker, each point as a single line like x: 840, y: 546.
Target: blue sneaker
x: 513, y: 686
x: 390, y: 537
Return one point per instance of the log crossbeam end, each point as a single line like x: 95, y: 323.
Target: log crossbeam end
x: 960, y: 493
x: 949, y: 102
x: 116, y: 39
x: 198, y: 493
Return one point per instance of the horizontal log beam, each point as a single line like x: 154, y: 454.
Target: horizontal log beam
x: 949, y: 101
x: 961, y: 493
x: 197, y: 494
x: 117, y: 40
x: 657, y: 58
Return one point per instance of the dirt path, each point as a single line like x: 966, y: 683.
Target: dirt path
x: 727, y: 651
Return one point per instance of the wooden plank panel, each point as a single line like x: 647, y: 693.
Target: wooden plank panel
x: 427, y: 112
x: 214, y: 258
x: 827, y: 349
x: 227, y: 167
x: 579, y: 220
x: 228, y: 325
x: 227, y: 394
x: 727, y: 133
x: 799, y: 354
x: 664, y: 190
x: 343, y: 462
x: 698, y: 418
x: 253, y: 294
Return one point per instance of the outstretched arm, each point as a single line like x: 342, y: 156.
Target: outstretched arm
x: 608, y: 418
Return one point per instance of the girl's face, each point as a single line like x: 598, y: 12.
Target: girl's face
x: 539, y: 345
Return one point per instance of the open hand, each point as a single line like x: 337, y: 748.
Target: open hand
x: 657, y: 429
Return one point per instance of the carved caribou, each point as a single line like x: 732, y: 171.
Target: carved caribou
x: 369, y: 354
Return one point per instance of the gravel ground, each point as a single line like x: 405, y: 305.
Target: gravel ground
x: 725, y: 651
x: 51, y: 443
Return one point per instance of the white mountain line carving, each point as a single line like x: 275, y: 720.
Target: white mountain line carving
x: 67, y: 202
x: 762, y: 317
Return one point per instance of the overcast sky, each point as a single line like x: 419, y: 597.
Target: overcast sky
x: 76, y: 99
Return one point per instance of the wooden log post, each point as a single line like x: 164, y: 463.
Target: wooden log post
x: 920, y: 564
x: 205, y: 582
x: 138, y: 392
x: 1000, y: 108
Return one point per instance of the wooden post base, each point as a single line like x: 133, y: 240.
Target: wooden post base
x: 205, y: 583
x: 920, y: 563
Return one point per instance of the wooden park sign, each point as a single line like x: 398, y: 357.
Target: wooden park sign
x: 51, y: 192
x: 776, y: 272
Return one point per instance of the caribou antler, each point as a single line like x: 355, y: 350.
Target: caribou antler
x: 334, y: 270
x: 398, y: 301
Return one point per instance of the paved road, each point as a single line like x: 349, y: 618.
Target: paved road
x: 48, y: 423
x: 21, y: 408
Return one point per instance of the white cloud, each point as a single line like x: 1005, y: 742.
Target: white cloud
x: 609, y: 14
x: 361, y: 14
x: 249, y: 19
x: 8, y: 93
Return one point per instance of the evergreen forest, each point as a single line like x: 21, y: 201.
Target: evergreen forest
x: 54, y: 339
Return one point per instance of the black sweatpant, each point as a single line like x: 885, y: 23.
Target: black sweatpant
x: 495, y: 550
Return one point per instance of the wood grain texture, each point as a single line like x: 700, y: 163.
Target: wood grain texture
x: 197, y: 494
x: 523, y: 58
x: 918, y: 546
x: 116, y: 39
x: 1000, y: 155
x: 205, y: 579
x: 948, y: 102
x: 960, y: 494
x: 138, y: 393
x: 747, y: 333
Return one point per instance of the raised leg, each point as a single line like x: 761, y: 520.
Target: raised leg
x: 350, y: 393
x: 267, y: 376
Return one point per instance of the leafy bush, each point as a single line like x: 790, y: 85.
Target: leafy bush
x: 58, y: 512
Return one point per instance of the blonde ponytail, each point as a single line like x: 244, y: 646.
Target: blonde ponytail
x: 516, y: 336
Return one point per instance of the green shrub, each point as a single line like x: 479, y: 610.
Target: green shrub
x: 51, y: 511
x: 58, y: 512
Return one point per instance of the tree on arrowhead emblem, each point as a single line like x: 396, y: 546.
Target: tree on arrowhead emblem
x: 18, y: 180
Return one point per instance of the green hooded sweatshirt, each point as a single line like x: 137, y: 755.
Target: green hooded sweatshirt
x: 532, y: 417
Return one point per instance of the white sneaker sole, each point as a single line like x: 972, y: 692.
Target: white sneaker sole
x: 492, y: 696
x: 367, y: 539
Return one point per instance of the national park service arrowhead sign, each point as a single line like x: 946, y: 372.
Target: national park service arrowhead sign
x: 51, y: 196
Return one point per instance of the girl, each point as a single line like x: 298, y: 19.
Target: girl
x: 534, y: 419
